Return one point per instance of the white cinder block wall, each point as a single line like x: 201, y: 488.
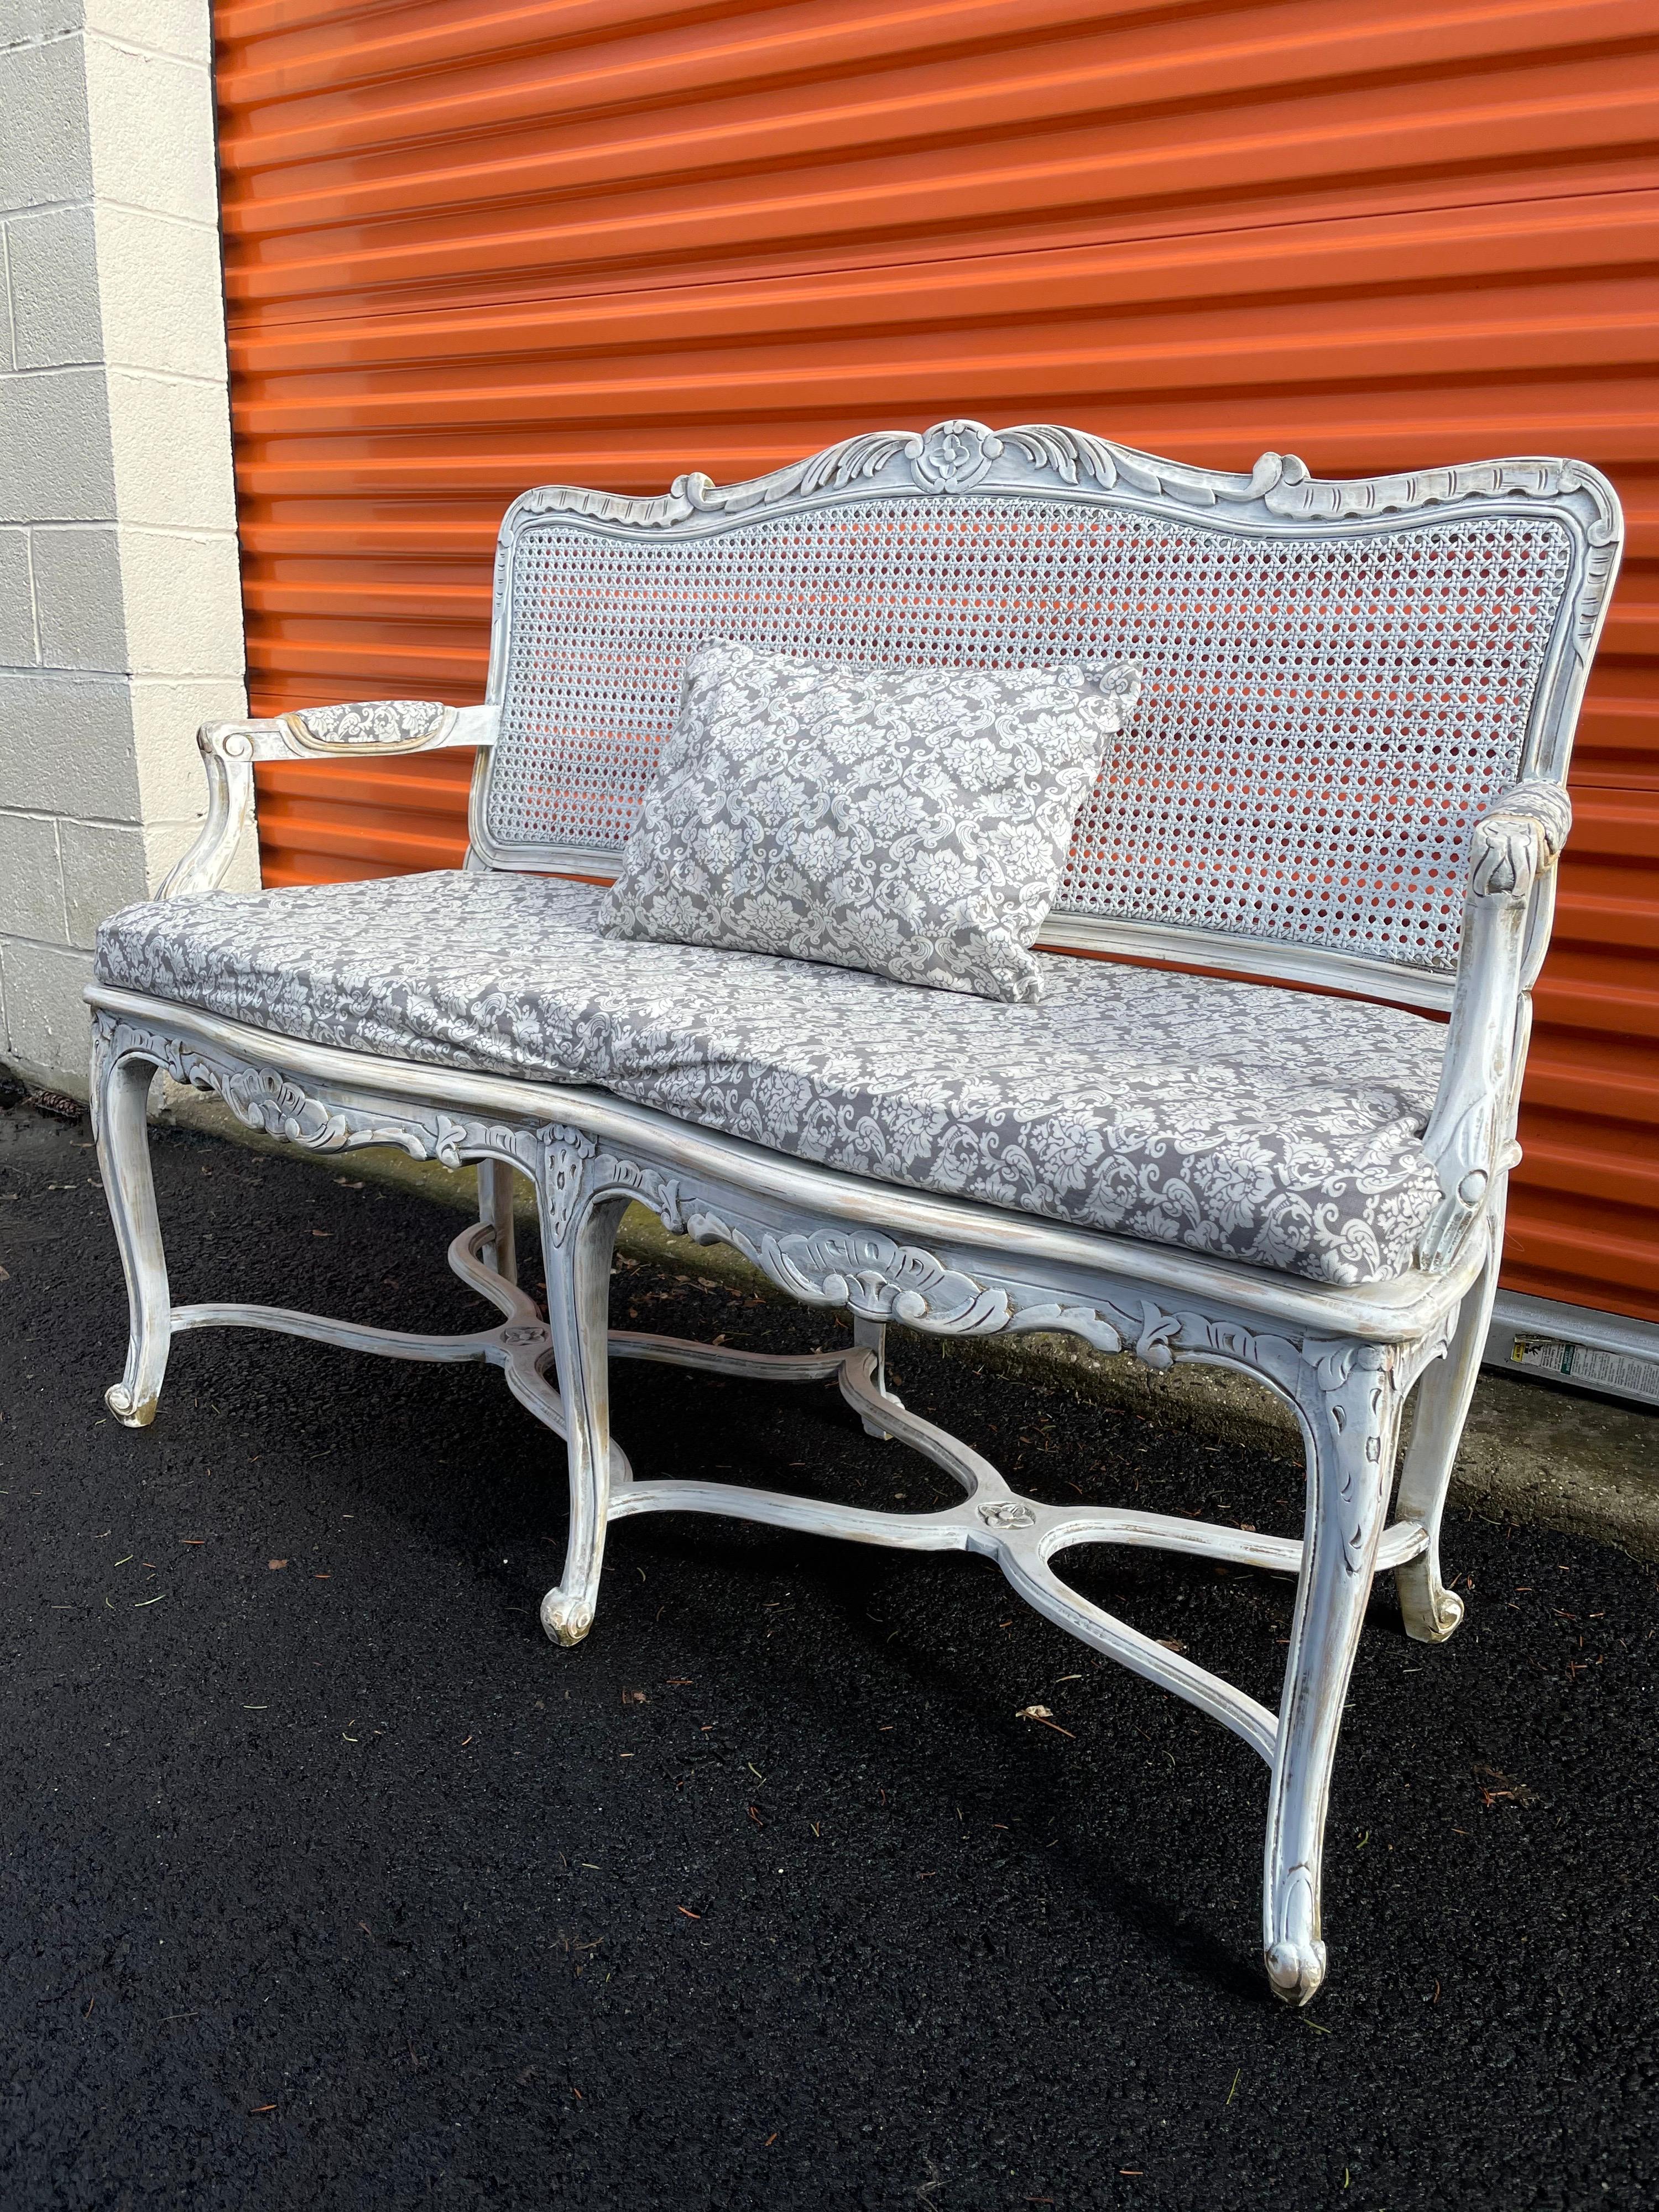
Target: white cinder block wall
x: 120, y: 611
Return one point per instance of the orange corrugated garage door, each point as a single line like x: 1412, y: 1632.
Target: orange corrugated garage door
x: 473, y: 246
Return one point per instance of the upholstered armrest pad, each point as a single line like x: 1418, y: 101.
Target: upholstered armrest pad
x: 1517, y: 837
x: 379, y: 724
x: 359, y: 729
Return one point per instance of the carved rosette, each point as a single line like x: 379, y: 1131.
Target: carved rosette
x: 1007, y: 1513
x: 954, y: 456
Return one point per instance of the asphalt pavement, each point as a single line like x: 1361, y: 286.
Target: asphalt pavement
x: 329, y: 1883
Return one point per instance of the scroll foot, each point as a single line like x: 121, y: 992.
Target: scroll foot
x: 1433, y: 1612
x: 120, y: 1401
x: 567, y: 1620
x: 1296, y: 1971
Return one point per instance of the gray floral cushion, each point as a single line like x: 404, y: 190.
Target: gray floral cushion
x: 912, y: 821
x: 1274, y: 1127
x: 392, y: 725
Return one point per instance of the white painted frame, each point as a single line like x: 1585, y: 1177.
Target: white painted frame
x: 1344, y: 1358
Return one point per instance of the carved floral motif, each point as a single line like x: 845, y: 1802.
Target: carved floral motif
x: 1522, y: 833
x: 958, y: 455
x: 873, y: 1275
x: 1006, y: 1513
x: 279, y: 1105
x: 576, y: 1172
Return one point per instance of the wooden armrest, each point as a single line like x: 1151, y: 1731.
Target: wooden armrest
x: 1518, y: 839
x: 1507, y: 905
x: 358, y: 730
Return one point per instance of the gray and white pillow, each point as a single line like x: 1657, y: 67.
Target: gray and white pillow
x: 912, y: 821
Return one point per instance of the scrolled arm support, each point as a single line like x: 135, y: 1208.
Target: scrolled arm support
x: 1518, y: 839
x: 229, y: 752
x: 361, y: 730
x: 1470, y: 1138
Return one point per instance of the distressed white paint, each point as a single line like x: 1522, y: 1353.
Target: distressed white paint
x: 120, y: 615
x: 1344, y: 1358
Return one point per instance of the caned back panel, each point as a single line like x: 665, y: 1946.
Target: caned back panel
x: 1324, y: 716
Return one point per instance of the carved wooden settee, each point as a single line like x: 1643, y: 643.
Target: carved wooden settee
x: 1346, y: 773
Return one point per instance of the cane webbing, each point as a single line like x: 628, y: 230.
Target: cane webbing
x: 1321, y: 720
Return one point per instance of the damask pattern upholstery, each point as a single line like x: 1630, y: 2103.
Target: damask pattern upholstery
x: 391, y: 725
x: 914, y: 822
x: 1275, y: 1127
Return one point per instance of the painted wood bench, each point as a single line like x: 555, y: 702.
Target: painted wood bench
x: 1343, y: 790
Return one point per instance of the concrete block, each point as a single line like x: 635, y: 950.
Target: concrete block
x: 181, y: 27
x: 18, y: 647
x: 166, y: 842
x: 27, y: 22
x: 150, y: 117
x: 54, y: 289
x: 66, y: 744
x: 57, y: 464
x: 78, y: 598
x: 171, y: 447
x: 105, y: 867
x: 48, y: 1025
x: 183, y: 596
x: 31, y: 878
x: 244, y: 873
x: 116, y: 509
x: 45, y: 150
x: 8, y: 348
x: 166, y: 716
x: 159, y: 288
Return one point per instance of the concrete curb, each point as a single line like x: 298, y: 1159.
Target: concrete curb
x: 1533, y: 1451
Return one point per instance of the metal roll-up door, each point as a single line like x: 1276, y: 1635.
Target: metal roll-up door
x: 471, y: 248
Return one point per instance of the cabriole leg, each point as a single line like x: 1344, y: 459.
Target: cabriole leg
x: 120, y: 1100
x: 495, y: 1211
x: 1352, y: 1426
x: 1430, y: 1611
x: 578, y: 1312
